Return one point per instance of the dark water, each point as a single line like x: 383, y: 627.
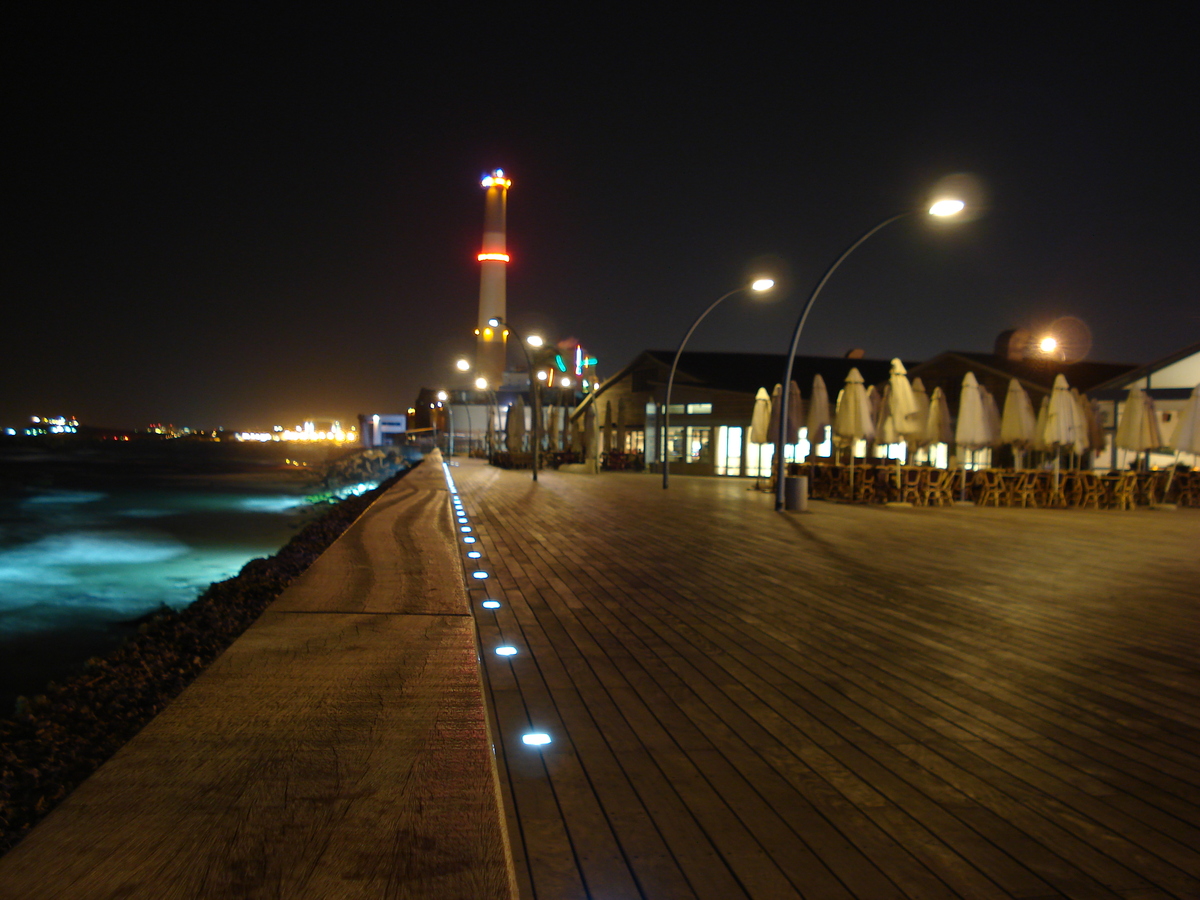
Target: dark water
x: 78, y: 565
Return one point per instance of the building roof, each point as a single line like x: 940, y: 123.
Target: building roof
x: 1123, y: 380
x: 747, y: 372
x: 1035, y: 375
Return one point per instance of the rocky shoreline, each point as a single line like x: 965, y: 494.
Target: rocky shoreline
x: 55, y: 740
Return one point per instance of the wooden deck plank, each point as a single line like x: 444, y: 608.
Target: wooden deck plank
x: 847, y: 695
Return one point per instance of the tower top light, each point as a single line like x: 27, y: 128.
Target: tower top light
x: 496, y: 179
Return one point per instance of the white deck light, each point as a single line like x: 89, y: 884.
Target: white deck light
x: 536, y: 739
x: 506, y: 651
x: 490, y: 604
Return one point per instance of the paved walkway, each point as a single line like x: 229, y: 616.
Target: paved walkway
x: 338, y: 749
x: 858, y: 702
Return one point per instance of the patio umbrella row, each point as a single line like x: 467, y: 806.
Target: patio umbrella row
x: 905, y: 413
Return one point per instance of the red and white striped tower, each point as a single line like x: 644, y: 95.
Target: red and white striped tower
x: 493, y: 258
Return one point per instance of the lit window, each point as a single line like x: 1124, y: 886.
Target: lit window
x: 698, y: 409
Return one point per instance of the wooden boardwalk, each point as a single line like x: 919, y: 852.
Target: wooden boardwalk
x: 855, y: 703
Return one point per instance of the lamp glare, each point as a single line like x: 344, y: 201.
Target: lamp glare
x: 763, y: 284
x: 948, y: 207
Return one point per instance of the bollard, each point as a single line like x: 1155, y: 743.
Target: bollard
x: 795, y: 494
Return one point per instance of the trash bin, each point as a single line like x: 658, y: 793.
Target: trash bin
x: 795, y: 494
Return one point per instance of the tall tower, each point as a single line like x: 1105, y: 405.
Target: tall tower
x: 493, y: 258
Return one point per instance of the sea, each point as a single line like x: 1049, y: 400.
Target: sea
x: 81, y: 565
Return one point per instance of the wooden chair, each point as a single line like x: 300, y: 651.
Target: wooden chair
x: 1125, y: 491
x: 940, y: 488
x: 915, y: 485
x: 1189, y: 488
x: 989, y: 487
x: 1090, y: 490
x: 1024, y: 490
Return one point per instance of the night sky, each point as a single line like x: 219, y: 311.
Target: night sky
x: 217, y: 216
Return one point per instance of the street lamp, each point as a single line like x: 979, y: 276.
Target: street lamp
x: 443, y: 397
x: 758, y: 286
x: 942, y: 208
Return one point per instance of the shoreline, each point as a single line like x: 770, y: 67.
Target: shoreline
x: 55, y: 740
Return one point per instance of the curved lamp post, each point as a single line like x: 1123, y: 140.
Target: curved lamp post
x: 759, y: 285
x: 942, y: 209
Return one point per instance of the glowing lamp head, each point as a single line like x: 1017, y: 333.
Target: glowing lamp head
x: 1048, y: 344
x: 541, y: 376
x: 947, y: 207
x: 495, y: 323
x: 534, y: 340
x: 481, y: 384
x: 762, y: 284
x: 566, y: 382
x: 496, y: 179
x: 463, y: 365
x: 441, y: 395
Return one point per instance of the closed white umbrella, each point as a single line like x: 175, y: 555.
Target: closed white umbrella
x: 938, y: 429
x: 795, y: 413
x: 1186, y: 437
x: 1019, y: 422
x: 773, y: 419
x: 991, y: 415
x: 853, y: 420
x: 971, y: 431
x: 905, y: 413
x: 1138, y: 429
x: 885, y: 422
x: 918, y: 438
x: 1039, y: 431
x: 760, y: 419
x: 1061, y: 421
x: 818, y: 418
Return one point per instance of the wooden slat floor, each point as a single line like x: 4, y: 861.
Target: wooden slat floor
x: 854, y: 703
